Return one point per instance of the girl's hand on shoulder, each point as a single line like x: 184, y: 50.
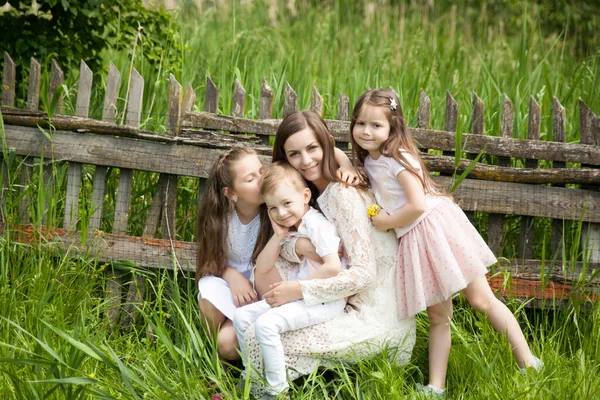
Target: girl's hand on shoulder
x: 348, y: 175
x: 282, y: 293
x: 242, y: 290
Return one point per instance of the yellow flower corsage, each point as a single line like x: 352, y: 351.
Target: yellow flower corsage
x: 373, y: 209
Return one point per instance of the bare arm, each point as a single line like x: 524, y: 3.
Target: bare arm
x: 410, y: 212
x: 331, y: 267
x: 267, y: 257
x: 346, y: 172
x: 241, y: 288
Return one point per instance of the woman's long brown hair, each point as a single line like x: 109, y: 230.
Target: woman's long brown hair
x: 399, y: 139
x: 292, y: 124
x: 213, y: 215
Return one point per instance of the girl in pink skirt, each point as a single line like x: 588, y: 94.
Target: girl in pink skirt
x: 440, y: 251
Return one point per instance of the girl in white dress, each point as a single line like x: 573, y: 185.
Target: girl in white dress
x: 370, y: 322
x: 229, y: 221
x: 440, y: 252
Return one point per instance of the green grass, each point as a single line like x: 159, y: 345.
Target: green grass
x: 54, y: 340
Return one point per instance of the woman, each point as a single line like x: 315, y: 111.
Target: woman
x: 370, y: 321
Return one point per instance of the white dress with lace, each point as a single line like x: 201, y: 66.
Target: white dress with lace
x: 370, y: 321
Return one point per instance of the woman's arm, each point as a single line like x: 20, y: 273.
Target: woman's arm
x: 411, y: 211
x: 347, y: 210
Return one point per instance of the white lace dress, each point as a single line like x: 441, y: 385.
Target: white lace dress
x: 370, y: 321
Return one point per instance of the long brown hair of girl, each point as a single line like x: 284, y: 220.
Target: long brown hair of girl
x: 399, y: 139
x: 213, y: 215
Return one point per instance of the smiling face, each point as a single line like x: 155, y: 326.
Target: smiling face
x: 371, y: 129
x: 305, y: 154
x: 287, y: 203
x: 246, y: 184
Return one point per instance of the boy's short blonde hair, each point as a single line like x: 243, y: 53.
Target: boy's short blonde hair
x: 278, y: 173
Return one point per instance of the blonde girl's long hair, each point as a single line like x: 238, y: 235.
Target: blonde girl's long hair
x: 213, y: 215
x: 399, y: 139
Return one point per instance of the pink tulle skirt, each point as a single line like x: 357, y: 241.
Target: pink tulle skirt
x: 440, y: 256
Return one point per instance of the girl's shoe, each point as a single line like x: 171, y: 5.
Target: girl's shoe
x: 430, y: 392
x: 537, y: 365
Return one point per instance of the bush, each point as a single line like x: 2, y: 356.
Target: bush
x: 71, y: 31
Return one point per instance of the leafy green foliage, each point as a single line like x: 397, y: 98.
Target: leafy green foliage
x: 71, y: 31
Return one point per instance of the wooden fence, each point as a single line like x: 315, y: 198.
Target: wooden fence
x: 194, y: 140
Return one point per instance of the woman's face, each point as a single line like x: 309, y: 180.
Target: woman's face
x: 305, y: 153
x: 246, y: 184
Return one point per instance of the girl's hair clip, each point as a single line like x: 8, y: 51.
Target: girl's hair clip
x: 393, y: 104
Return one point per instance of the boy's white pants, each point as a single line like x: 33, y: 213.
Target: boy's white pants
x: 271, y: 322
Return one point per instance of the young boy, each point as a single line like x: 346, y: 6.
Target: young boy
x: 287, y: 198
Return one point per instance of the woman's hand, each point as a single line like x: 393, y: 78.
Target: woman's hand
x: 349, y: 176
x: 282, y: 293
x: 305, y: 249
x: 241, y: 288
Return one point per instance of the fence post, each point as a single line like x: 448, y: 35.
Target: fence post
x: 559, y: 135
x: 108, y: 115
x: 290, y: 100
x: 84, y: 93
x: 590, y: 134
x: 265, y: 107
x: 8, y: 100
x: 316, y: 101
x: 451, y: 119
x: 496, y: 221
x: 477, y: 128
x: 424, y: 113
x: 533, y: 133
x: 211, y: 99
x: 342, y: 115
x: 137, y: 287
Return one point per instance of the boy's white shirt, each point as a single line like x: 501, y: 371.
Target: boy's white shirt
x: 322, y: 234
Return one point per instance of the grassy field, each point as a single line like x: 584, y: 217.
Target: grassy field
x: 54, y: 341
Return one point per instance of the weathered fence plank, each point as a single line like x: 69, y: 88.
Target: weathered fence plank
x: 496, y: 221
x: 561, y: 203
x: 590, y: 134
x: 9, y: 82
x: 238, y: 105
x: 211, y: 98
x: 316, y: 101
x: 33, y: 92
x: 559, y: 129
x: 424, y: 113
x: 265, y: 107
x: 123, y: 200
x: 343, y: 115
x: 189, y: 98
x: 57, y: 78
x: 84, y: 93
x: 527, y: 227
x: 290, y: 100
x: 109, y: 114
x: 441, y: 140
x: 33, y: 102
x: 187, y: 158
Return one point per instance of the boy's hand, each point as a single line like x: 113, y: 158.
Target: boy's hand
x: 278, y: 230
